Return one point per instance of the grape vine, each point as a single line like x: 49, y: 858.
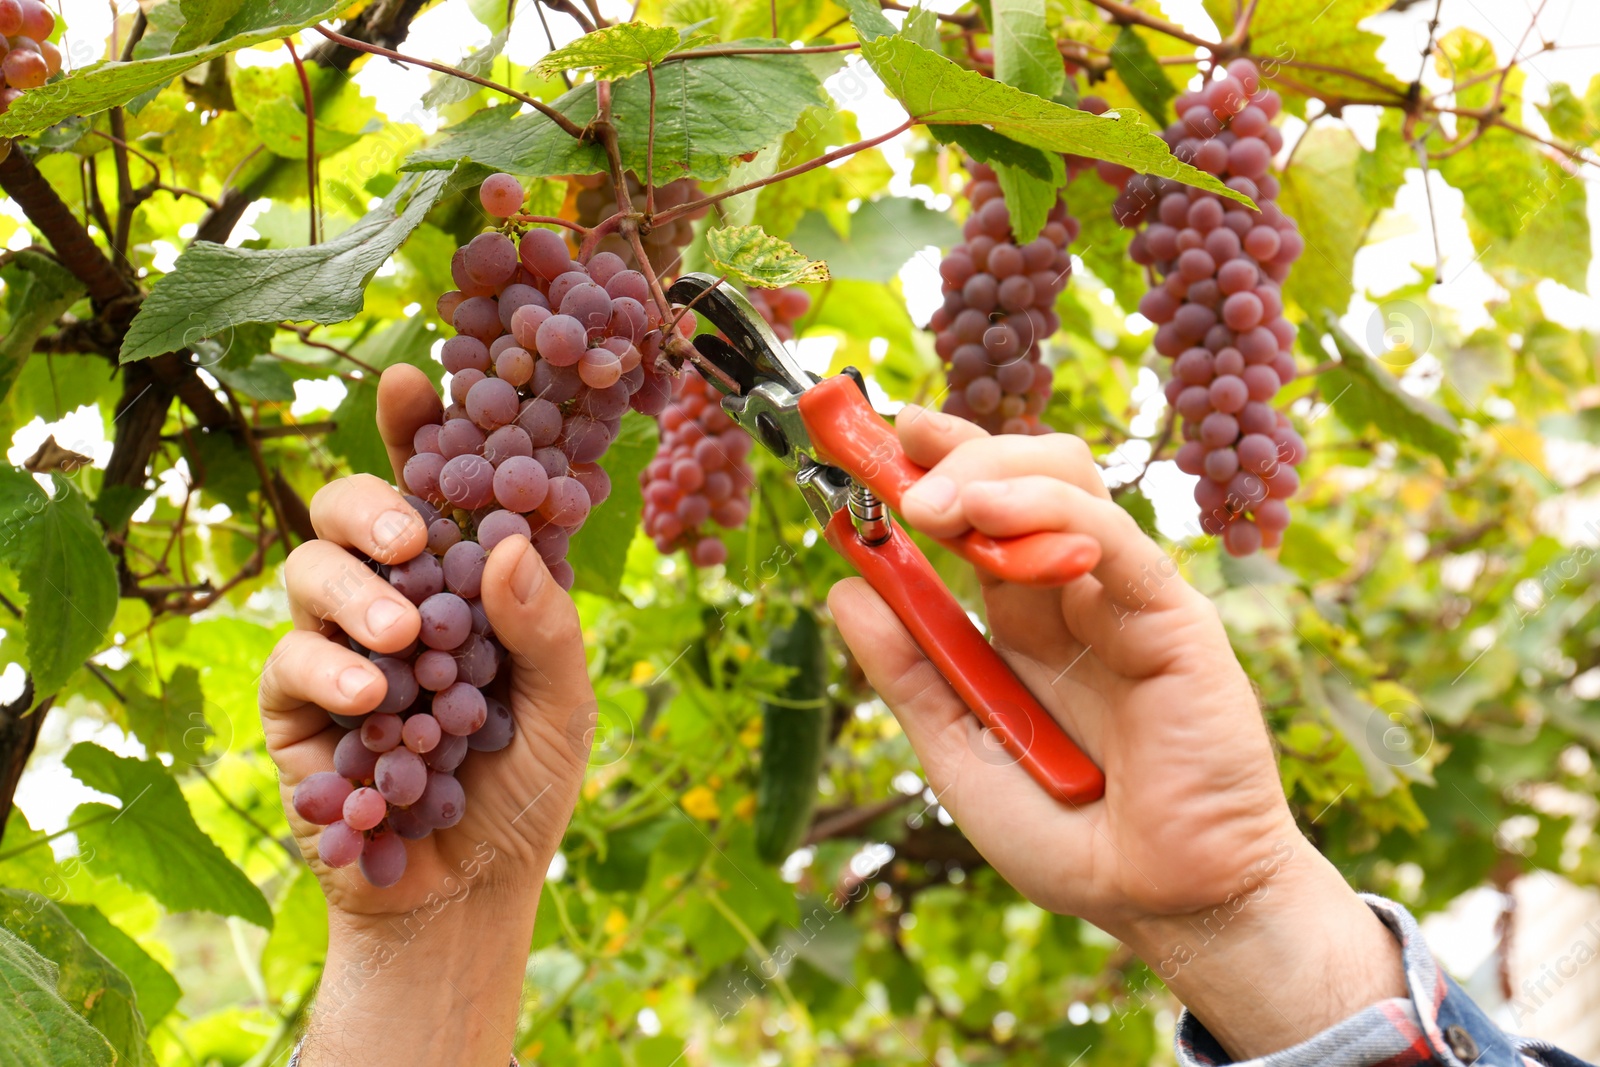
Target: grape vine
x: 699, y: 472
x: 596, y: 200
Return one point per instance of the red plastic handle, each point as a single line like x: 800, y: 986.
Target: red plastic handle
x: 1027, y: 733
x: 847, y: 433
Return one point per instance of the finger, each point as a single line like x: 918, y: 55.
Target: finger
x: 369, y: 515
x: 928, y: 435
x: 1132, y: 568
x: 537, y: 622
x: 306, y: 677
x: 933, y: 504
x: 982, y: 787
x: 406, y: 403
x: 327, y: 584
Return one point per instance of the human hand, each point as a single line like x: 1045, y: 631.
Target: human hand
x: 1136, y: 665
x: 466, y: 902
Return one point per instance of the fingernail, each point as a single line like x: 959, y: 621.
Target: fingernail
x: 526, y: 577
x: 934, y: 492
x: 391, y: 526
x: 353, y: 681
x: 383, y: 614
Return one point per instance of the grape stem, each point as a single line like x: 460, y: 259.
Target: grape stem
x: 596, y: 233
x: 823, y: 160
x: 311, y: 135
x: 551, y: 220
x: 571, y: 128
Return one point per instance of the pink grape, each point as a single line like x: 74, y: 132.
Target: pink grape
x: 383, y: 860
x: 364, y: 808
x: 339, y: 845
x: 320, y: 797
x: 501, y: 195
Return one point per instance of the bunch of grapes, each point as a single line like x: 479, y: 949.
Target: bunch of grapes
x: 999, y: 305
x: 597, y: 201
x: 27, y: 59
x: 1219, y: 307
x: 782, y: 308
x: 547, y: 356
x: 699, y: 473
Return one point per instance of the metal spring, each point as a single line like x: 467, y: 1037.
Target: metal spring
x: 872, y: 521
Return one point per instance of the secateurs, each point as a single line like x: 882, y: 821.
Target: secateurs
x: 849, y: 465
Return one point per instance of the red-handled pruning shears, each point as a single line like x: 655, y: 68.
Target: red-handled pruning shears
x: 849, y: 464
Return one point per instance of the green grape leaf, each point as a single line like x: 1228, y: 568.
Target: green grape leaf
x: 106, y: 85
x: 1327, y: 32
x: 449, y: 89
x: 869, y: 20
x: 1381, y: 172
x: 355, y: 436
x: 708, y: 113
x: 884, y: 233
x: 202, y: 21
x: 173, y: 720
x: 85, y: 979
x: 37, y: 1027
x: 53, y: 545
x: 39, y: 291
x: 1320, y: 192
x: 1365, y: 393
x: 599, y: 551
x: 1103, y: 244
x: 1147, y: 82
x: 986, y: 146
x: 1566, y: 116
x: 938, y: 92
x: 922, y: 26
x: 298, y: 944
x: 1552, y: 235
x: 750, y: 255
x: 152, y: 842
x: 213, y: 286
x: 157, y: 991
x: 1025, y: 54
x: 612, y: 51
x: 1029, y: 200
x: 281, y: 125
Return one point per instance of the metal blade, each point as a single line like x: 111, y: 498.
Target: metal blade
x: 752, y: 353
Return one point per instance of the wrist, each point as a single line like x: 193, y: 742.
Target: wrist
x: 1292, y: 952
x: 439, y: 984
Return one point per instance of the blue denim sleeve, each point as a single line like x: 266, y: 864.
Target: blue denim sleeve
x: 1437, y: 1024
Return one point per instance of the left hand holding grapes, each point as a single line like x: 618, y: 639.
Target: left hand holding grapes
x: 465, y: 904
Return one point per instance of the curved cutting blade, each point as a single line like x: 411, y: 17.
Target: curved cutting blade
x: 752, y: 353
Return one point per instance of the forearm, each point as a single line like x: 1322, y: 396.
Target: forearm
x: 1294, y: 952
x: 442, y: 988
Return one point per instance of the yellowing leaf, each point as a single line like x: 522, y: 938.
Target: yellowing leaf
x: 612, y: 52
x: 754, y: 257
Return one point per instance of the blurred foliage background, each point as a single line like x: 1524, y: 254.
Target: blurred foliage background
x: 1424, y: 643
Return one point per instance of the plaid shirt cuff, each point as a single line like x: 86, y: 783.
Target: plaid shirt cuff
x: 1437, y: 1024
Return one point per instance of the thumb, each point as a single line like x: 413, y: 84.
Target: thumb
x: 536, y: 621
